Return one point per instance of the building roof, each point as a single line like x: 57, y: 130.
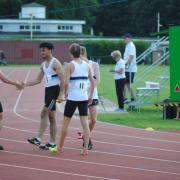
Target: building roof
x: 41, y: 21
x: 33, y: 5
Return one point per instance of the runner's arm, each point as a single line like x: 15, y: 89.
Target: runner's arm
x: 67, y: 75
x: 8, y: 81
x: 97, y: 74
x: 58, y: 69
x: 37, y: 80
x: 91, y: 83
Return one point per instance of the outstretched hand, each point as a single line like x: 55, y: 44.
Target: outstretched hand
x: 19, y: 86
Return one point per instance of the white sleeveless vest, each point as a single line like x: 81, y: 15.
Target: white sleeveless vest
x: 95, y: 93
x: 51, y: 78
x: 78, y: 84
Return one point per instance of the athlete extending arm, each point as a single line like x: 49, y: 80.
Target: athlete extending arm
x: 8, y: 81
x: 37, y: 80
x: 91, y: 90
x: 96, y: 73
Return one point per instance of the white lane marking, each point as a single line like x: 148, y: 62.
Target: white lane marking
x: 57, y: 172
x: 101, y: 142
x: 107, y: 153
x: 106, y: 133
x: 93, y: 163
x: 120, y: 135
x: 100, y: 132
x: 20, y: 94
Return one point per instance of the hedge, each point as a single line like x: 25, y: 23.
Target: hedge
x: 101, y: 50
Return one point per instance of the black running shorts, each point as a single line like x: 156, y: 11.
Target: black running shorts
x: 71, y: 106
x: 1, y: 109
x: 129, y: 76
x: 51, y: 94
x: 94, y: 103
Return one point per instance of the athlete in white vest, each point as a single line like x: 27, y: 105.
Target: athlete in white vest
x: 52, y: 72
x: 77, y: 77
x: 92, y: 107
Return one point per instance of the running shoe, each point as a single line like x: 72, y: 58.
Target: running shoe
x: 90, y: 145
x: 1, y: 147
x: 34, y: 141
x: 47, y: 146
x: 54, y: 149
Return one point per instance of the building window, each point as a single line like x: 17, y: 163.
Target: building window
x: 21, y: 27
x: 67, y: 27
x: 38, y: 27
x: 26, y: 27
x: 1, y: 27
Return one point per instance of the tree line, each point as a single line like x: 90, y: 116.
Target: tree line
x: 106, y: 17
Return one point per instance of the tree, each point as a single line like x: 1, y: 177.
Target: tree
x: 138, y: 17
x: 72, y: 10
x: 10, y: 8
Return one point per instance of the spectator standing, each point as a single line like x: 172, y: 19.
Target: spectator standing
x: 130, y: 66
x: 120, y: 80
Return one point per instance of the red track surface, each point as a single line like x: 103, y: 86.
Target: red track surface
x: 119, y: 152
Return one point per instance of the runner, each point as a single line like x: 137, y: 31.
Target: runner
x: 52, y: 70
x: 76, y: 91
x: 93, y: 112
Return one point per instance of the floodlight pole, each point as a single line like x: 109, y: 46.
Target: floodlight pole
x: 158, y: 23
x: 31, y: 28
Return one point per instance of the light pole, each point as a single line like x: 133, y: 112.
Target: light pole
x: 158, y: 24
x: 31, y: 26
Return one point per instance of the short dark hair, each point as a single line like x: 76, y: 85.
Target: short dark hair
x: 127, y: 35
x: 47, y: 45
x: 75, y: 50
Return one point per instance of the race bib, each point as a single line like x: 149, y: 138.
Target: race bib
x: 48, y: 78
x: 81, y: 85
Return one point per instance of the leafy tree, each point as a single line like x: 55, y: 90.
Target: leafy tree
x: 108, y: 17
x: 138, y: 17
x: 9, y: 9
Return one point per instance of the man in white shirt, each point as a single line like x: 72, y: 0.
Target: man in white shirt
x: 131, y: 65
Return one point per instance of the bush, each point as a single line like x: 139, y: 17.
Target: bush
x: 101, y: 50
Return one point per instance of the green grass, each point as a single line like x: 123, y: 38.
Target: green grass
x: 148, y: 116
